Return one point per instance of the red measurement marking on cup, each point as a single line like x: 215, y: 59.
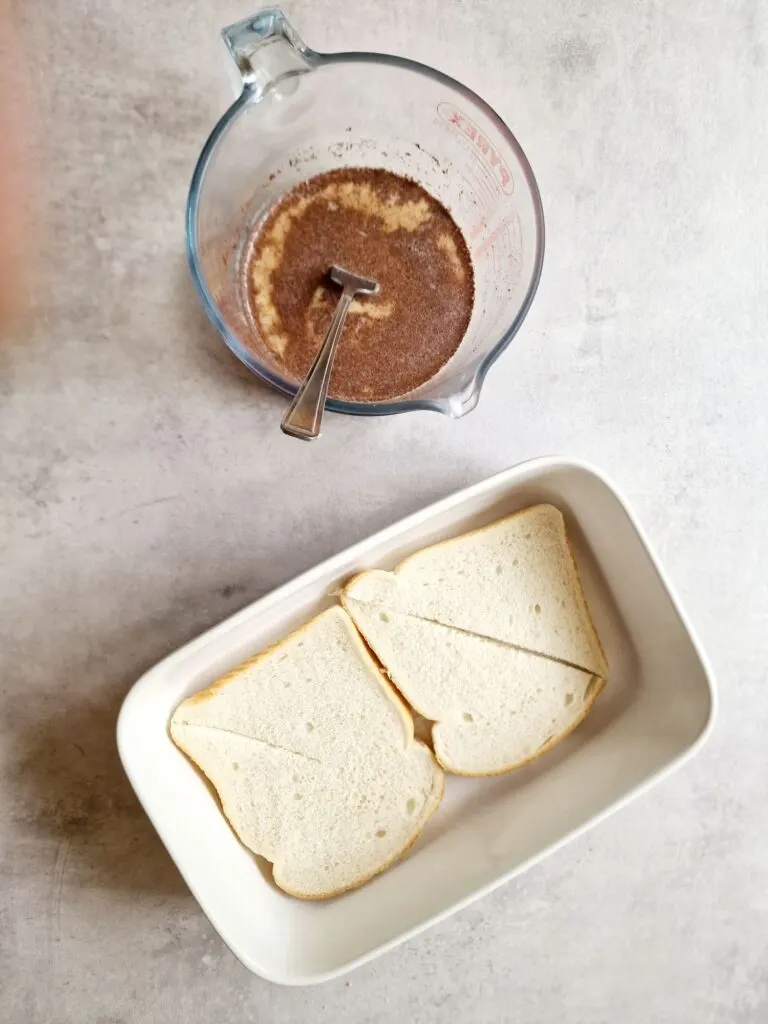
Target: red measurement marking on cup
x: 491, y: 239
x: 478, y: 229
x: 467, y: 127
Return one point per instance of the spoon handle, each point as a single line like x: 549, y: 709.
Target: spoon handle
x: 305, y: 413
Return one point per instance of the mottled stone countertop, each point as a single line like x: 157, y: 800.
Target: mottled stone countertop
x: 147, y: 493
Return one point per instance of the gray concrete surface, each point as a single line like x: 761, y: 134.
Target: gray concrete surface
x: 147, y: 493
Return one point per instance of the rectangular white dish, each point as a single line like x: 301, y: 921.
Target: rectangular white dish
x: 654, y: 713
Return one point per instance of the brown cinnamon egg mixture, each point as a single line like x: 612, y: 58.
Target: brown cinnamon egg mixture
x: 380, y: 225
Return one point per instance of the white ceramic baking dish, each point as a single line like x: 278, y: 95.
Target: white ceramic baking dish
x: 655, y: 712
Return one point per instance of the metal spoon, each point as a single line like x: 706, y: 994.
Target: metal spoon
x: 305, y: 413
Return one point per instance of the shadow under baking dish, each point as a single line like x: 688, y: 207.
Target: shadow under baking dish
x: 654, y: 711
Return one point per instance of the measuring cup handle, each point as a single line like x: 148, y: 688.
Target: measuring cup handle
x: 266, y: 48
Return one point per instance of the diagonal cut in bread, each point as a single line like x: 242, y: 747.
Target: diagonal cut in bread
x: 515, y: 581
x: 313, y: 756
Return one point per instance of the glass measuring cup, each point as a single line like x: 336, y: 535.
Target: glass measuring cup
x: 299, y: 113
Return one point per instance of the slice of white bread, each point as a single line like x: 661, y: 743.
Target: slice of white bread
x: 313, y: 757
x: 494, y: 706
x: 515, y: 581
